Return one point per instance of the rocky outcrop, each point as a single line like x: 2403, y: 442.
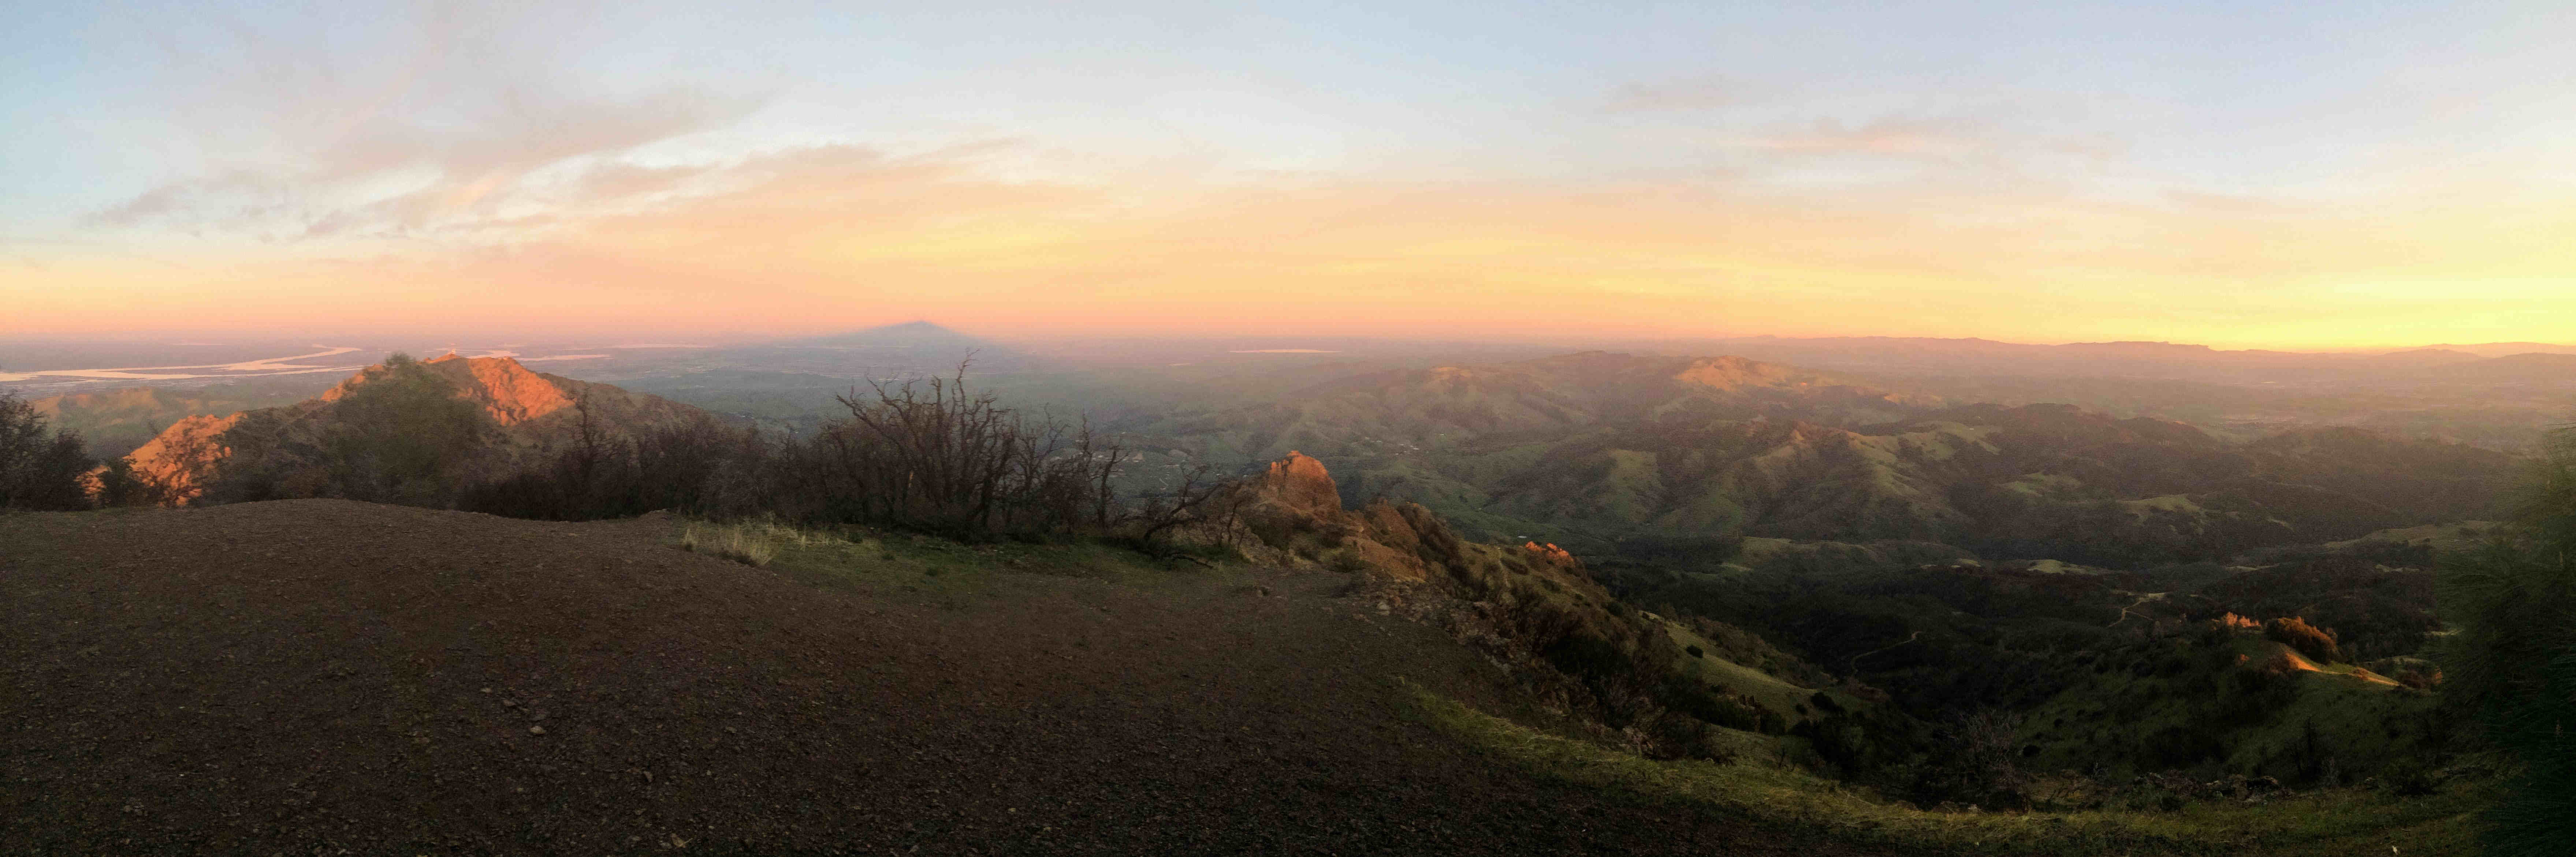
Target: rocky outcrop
x: 1299, y: 485
x: 526, y: 417
x: 1296, y: 510
x: 1534, y: 611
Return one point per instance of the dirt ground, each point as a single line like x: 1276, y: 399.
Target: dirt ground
x: 328, y: 677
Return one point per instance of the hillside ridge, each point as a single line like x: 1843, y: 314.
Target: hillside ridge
x: 527, y: 415
x: 1591, y: 449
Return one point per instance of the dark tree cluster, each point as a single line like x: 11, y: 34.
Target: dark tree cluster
x: 2372, y: 610
x: 2514, y: 660
x: 41, y: 468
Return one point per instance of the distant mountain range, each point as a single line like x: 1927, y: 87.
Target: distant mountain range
x: 911, y: 349
x: 2550, y: 369
x: 1590, y: 449
x: 1919, y: 356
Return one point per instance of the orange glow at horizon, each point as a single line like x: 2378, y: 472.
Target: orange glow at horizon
x: 2367, y: 175
x: 832, y: 239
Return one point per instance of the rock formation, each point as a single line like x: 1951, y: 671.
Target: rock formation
x: 1296, y: 508
x: 1536, y: 612
x: 1299, y: 484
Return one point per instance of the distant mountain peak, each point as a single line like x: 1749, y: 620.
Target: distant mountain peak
x: 2140, y: 347
x: 915, y: 346
x: 905, y: 335
x: 916, y: 327
x: 508, y: 390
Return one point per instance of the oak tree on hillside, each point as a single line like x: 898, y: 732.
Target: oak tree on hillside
x: 40, y: 467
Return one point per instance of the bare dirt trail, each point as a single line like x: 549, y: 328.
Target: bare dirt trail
x: 329, y: 677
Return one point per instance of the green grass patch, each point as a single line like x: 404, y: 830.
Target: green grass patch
x: 2326, y: 822
x: 936, y: 570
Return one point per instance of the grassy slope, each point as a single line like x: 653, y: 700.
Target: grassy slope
x: 2361, y: 717
x: 2460, y: 536
x: 2336, y: 821
x: 939, y: 572
x: 1708, y: 669
x: 2333, y: 822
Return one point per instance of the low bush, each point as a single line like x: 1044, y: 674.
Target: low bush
x: 1973, y: 764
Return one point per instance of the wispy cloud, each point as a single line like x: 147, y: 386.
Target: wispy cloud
x: 398, y: 177
x: 447, y: 140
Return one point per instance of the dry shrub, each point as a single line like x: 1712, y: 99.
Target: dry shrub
x: 1974, y: 764
x: 929, y: 457
x: 754, y: 543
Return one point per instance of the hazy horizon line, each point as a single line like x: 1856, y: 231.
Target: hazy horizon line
x: 718, y: 339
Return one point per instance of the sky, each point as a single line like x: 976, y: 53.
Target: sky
x: 2289, y: 175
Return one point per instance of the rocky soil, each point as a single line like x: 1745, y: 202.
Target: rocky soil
x: 328, y: 677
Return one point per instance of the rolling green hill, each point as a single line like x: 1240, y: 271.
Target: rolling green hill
x: 1587, y: 450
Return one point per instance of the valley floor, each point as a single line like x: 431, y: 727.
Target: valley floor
x: 331, y: 677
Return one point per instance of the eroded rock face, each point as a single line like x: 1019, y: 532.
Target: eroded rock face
x: 1299, y: 483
